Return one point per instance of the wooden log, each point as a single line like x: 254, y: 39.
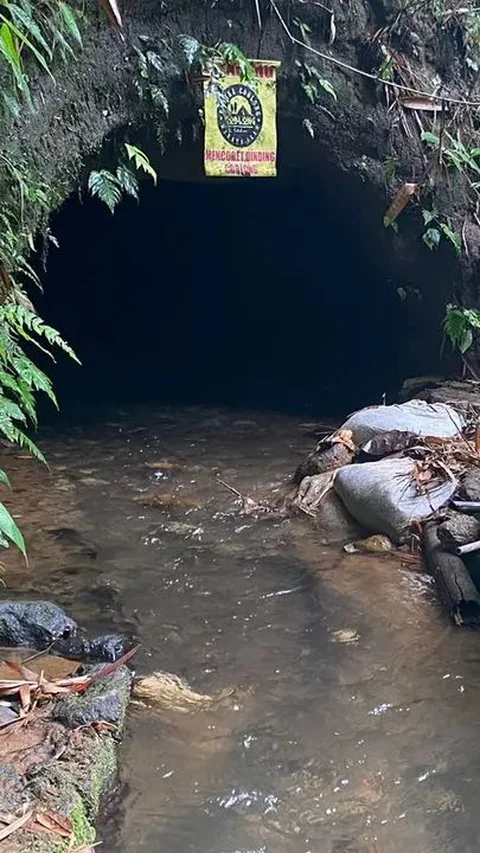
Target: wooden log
x: 324, y: 458
x: 455, y: 587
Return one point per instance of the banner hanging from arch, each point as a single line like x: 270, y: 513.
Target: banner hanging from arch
x: 241, y: 123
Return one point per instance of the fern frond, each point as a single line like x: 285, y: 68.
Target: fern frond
x: 105, y: 186
x: 24, y: 320
x: 127, y: 180
x: 33, y: 377
x: 17, y: 436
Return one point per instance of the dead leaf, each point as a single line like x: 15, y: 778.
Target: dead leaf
x: 400, y: 201
x: 16, y: 824
x: 345, y: 436
x: 80, y: 683
x: 5, y: 278
x: 25, y: 693
x: 110, y: 7
x: 53, y: 822
x: 424, y: 104
x: 477, y: 439
x: 332, y: 28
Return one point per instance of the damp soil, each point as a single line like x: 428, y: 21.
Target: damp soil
x: 357, y: 720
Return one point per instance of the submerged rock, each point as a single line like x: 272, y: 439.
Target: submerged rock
x: 71, y: 538
x: 33, y: 623
x: 40, y: 625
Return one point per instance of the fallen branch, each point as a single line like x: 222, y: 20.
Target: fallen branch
x: 14, y: 825
x: 248, y: 504
x: 455, y: 586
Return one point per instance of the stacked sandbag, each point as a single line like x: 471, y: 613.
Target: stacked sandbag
x: 416, y: 417
x: 384, y: 497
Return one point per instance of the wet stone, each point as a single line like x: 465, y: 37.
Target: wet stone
x: 106, y: 700
x: 108, y: 647
x: 36, y: 624
x: 71, y: 538
x: 7, y: 715
x: 12, y: 790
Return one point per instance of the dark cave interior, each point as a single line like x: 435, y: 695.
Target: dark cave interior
x: 243, y: 293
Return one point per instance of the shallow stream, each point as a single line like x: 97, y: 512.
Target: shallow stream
x: 371, y: 746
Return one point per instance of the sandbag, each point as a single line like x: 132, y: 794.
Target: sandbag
x: 317, y: 497
x: 383, y: 496
x: 416, y: 416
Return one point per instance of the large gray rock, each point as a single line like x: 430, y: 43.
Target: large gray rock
x: 106, y: 700
x: 470, y: 485
x: 33, y: 623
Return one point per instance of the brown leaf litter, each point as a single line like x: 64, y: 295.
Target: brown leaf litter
x: 27, y: 694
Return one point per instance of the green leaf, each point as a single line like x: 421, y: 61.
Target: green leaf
x: 141, y: 160
x: 310, y: 91
x: 465, y: 341
x: 10, y: 530
x: 454, y: 236
x: 4, y: 479
x: 159, y: 97
x: 10, y: 53
x: 431, y: 238
x: 458, y: 324
x: 327, y: 86
x: 23, y: 38
x: 155, y: 60
x: 23, y: 18
x: 71, y: 23
x: 430, y: 138
x: 189, y: 47
x: 428, y: 216
x: 307, y: 124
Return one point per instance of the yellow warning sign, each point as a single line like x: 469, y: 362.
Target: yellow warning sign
x: 241, y: 123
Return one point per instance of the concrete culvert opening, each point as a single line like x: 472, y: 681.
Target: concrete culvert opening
x: 248, y: 293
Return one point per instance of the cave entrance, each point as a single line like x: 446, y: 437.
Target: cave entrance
x: 245, y: 293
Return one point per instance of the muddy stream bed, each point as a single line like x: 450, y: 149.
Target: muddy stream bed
x: 371, y: 746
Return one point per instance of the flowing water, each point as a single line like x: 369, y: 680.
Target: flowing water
x: 332, y: 747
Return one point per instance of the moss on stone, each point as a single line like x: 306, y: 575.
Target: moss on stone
x: 74, y: 788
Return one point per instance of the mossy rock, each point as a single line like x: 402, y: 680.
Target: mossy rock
x: 74, y: 788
